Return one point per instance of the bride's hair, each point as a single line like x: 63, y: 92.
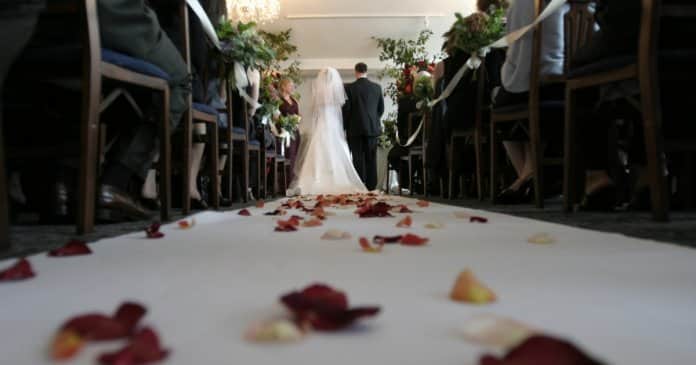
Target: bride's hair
x: 328, y: 88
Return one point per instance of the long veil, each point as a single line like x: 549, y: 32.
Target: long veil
x: 328, y: 96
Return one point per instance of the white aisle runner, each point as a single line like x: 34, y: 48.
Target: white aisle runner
x: 623, y: 300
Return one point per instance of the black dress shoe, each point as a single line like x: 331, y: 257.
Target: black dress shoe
x: 602, y: 200
x: 199, y: 204
x: 520, y: 196
x: 115, y: 205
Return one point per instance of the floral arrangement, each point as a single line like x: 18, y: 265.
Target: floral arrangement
x: 406, y: 59
x: 242, y: 43
x: 388, y: 137
x: 289, y: 123
x: 284, y: 50
x: 423, y: 89
x: 479, y: 29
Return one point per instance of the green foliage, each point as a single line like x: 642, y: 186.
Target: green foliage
x: 242, y: 43
x: 401, y: 52
x: 388, y: 137
x: 423, y: 89
x: 280, y: 42
x: 477, y: 30
x: 289, y: 123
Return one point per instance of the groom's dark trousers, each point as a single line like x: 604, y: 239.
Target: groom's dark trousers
x: 361, y: 118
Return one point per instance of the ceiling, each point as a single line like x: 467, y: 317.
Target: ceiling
x: 338, y: 32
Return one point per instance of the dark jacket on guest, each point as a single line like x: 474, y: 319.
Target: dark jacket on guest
x: 364, y: 108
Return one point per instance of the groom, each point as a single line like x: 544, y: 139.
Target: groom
x: 361, y: 117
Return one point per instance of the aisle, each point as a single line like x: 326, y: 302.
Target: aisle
x: 623, y: 300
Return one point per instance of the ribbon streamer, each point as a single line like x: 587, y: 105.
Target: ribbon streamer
x: 205, y: 22
x: 242, y: 82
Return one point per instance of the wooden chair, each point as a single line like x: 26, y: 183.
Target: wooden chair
x: 4, y: 198
x: 198, y: 113
x: 95, y: 69
x: 644, y: 68
x: 577, y: 23
x: 278, y: 171
x: 418, y: 150
x: 474, y: 135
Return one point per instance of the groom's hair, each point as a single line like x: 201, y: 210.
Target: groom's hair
x: 361, y: 68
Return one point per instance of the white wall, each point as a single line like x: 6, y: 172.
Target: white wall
x: 341, y: 35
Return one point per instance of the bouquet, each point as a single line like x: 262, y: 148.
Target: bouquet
x: 289, y: 123
x: 476, y: 31
x: 423, y: 88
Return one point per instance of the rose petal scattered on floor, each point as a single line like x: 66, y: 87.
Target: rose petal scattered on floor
x: 144, y: 348
x: 469, y: 289
x: 423, y: 203
x: 275, y: 331
x: 187, y: 224
x: 541, y: 239
x: 336, y: 234
x: 72, y: 248
x: 476, y: 219
x: 153, y: 231
x: 21, y: 270
x: 244, y: 213
x: 494, y: 331
x: 413, y: 240
x: 381, y: 240
x: 315, y: 222
x: 435, y: 225
x: 260, y: 203
x: 405, y: 223
x: 323, y: 308
x: 542, y: 350
x: 277, y: 212
x: 367, y: 247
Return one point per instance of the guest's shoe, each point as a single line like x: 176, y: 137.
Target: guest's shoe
x: 602, y: 200
x: 115, y: 205
x: 199, y: 204
x: 520, y: 196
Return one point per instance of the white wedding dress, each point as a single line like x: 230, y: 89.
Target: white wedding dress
x: 324, y: 164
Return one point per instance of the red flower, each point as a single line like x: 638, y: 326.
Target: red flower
x: 542, y: 350
x: 405, y: 209
x: 287, y: 226
x: 244, y: 212
x: 19, y: 271
x: 153, y: 231
x: 324, y: 308
x: 476, y: 219
x: 72, y: 248
x: 405, y: 223
x: 144, y: 348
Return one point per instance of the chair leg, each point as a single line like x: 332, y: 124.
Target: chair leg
x: 425, y: 176
x: 537, y: 159
x: 213, y: 152
x: 229, y: 168
x: 186, y: 163
x: 88, y: 155
x: 570, y: 189
x: 479, y: 157
x: 245, y: 172
x: 165, y: 161
x: 410, y: 175
x: 5, y: 244
x: 494, y: 157
x: 654, y: 156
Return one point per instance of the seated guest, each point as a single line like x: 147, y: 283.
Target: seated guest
x: 131, y: 27
x: 515, y: 75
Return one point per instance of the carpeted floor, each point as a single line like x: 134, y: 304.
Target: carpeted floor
x: 681, y: 230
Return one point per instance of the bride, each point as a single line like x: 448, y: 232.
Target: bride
x: 324, y: 164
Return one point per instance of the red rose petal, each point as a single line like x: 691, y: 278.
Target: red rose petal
x: 423, y: 203
x: 260, y: 203
x: 144, y: 348
x: 384, y: 239
x: 287, y: 226
x: 476, y: 219
x: 542, y: 350
x: 277, y: 212
x: 380, y: 209
x: 21, y: 270
x: 98, y: 327
x: 405, y: 209
x: 324, y: 308
x: 66, y: 345
x: 153, y: 231
x: 72, y: 248
x: 244, y: 213
x: 413, y: 240
x: 367, y: 247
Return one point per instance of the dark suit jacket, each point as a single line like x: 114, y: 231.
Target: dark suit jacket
x: 364, y: 108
